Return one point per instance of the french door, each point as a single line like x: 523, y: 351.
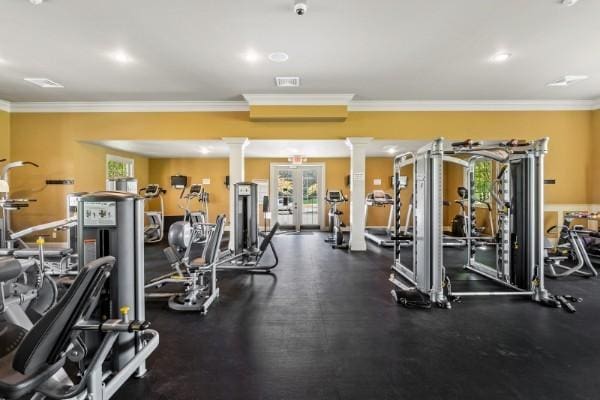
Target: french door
x: 298, y: 193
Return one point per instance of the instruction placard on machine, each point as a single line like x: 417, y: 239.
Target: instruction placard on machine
x: 99, y: 213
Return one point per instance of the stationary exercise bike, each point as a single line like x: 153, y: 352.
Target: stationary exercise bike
x: 335, y: 197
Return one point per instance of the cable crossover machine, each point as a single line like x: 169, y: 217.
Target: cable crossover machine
x: 517, y: 262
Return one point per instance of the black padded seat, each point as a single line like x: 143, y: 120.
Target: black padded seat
x: 42, y: 351
x: 52, y: 252
x: 10, y: 269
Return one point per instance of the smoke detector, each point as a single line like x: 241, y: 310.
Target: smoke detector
x: 287, y: 81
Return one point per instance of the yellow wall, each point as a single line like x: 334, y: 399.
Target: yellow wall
x: 52, y: 139
x: 217, y: 168
x: 336, y: 170
x: 85, y: 163
x: 4, y: 135
x: 195, y: 169
x: 594, y: 181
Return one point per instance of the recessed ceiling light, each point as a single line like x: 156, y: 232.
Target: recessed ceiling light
x: 204, y: 150
x: 569, y: 3
x: 121, y: 56
x: 251, y: 56
x: 391, y: 150
x: 3, y: 61
x: 278, y: 57
x: 501, y: 57
x: 36, y: 2
x: 567, y: 80
x: 43, y: 82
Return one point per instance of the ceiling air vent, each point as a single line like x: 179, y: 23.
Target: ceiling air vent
x: 287, y: 81
x: 43, y: 82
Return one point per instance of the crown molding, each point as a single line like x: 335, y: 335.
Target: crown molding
x: 474, y: 105
x: 4, y: 106
x: 298, y: 99
x: 128, y: 106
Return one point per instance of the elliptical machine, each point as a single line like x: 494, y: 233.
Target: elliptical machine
x: 197, y: 218
x: 335, y: 197
x: 154, y: 230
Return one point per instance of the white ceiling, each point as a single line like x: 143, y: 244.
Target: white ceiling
x: 257, y: 148
x: 380, y: 50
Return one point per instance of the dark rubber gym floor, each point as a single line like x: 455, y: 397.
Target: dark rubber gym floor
x: 324, y: 326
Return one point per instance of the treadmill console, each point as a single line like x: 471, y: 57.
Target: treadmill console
x: 152, y: 190
x: 335, y: 196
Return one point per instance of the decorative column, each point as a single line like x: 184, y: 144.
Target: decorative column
x: 236, y: 174
x: 358, y: 154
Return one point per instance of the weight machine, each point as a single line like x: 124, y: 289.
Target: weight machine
x: 519, y: 198
x: 199, y: 276
x: 86, y: 346
x: 571, y: 246
x: 8, y: 205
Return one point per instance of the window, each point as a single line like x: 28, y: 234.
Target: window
x: 482, y: 180
x: 118, y: 167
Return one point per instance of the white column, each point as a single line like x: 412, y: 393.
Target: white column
x: 236, y: 174
x: 358, y: 153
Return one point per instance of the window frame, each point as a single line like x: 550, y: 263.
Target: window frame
x: 128, y: 162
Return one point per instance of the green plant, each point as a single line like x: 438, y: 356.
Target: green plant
x: 482, y: 176
x: 116, y: 169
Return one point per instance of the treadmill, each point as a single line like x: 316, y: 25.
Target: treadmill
x: 380, y: 236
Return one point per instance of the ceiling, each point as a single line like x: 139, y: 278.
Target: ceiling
x: 256, y: 148
x: 383, y: 50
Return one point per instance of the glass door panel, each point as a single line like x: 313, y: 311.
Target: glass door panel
x: 299, y: 194
x: 310, y: 198
x: 285, y: 198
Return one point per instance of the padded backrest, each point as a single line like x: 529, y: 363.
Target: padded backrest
x: 268, y: 238
x: 211, y: 251
x: 50, y: 336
